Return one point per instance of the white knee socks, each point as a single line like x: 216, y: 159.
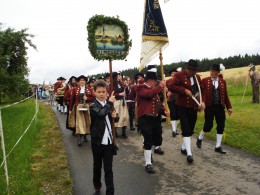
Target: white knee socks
x: 183, y: 145
x: 219, y: 139
x: 201, y: 136
x: 147, y: 157
x: 186, y: 141
x: 174, y: 125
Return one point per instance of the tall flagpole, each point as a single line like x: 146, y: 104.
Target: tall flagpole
x: 163, y: 77
x: 110, y: 91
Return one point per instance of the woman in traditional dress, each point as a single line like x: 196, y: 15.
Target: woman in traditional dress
x: 71, y: 116
x: 120, y: 104
x: 82, y: 96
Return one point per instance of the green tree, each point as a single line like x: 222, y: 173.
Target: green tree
x: 13, y: 61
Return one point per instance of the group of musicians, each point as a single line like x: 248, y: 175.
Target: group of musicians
x: 140, y: 102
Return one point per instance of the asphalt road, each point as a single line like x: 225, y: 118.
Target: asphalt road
x: 211, y: 173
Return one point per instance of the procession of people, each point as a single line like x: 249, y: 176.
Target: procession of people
x: 91, y: 107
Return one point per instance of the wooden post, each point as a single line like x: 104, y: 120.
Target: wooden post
x: 110, y: 91
x: 4, y: 154
x: 245, y: 89
x: 163, y: 77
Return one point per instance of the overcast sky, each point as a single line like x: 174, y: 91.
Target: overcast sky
x: 196, y: 28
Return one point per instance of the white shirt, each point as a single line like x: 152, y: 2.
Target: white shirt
x: 106, y: 135
x: 191, y: 80
x: 215, y: 82
x: 82, y: 89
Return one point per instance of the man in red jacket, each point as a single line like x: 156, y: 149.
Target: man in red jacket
x: 216, y: 99
x: 149, y: 111
x: 187, y: 85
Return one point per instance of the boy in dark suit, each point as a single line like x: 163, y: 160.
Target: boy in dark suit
x: 101, y: 136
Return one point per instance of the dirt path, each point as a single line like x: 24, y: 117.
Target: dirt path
x: 211, y: 173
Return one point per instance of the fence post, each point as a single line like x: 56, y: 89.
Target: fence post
x: 36, y: 104
x: 4, y: 155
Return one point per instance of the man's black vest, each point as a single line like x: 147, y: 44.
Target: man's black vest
x: 215, y: 96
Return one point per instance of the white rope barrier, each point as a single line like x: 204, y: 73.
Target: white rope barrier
x: 16, y: 102
x: 4, y: 162
x: 4, y: 155
x: 20, y: 138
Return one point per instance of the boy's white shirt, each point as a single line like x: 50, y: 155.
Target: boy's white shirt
x: 106, y: 134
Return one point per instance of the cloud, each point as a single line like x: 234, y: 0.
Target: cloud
x: 196, y: 29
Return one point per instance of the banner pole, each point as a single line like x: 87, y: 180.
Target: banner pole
x: 245, y: 89
x: 163, y: 77
x: 110, y: 92
x: 36, y: 103
x: 4, y: 154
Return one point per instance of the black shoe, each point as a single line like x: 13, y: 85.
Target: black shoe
x: 149, y: 169
x: 220, y: 150
x: 184, y: 152
x: 189, y: 159
x: 124, y: 136
x: 97, y: 191
x: 174, y: 133
x: 198, y: 143
x: 79, y: 142
x: 159, y: 151
x: 132, y: 129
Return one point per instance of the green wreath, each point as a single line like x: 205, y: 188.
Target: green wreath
x: 99, y: 20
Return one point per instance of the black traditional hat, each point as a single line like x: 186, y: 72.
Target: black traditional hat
x: 173, y: 70
x: 73, y: 77
x: 192, y: 64
x: 101, y: 77
x: 91, y: 79
x: 114, y: 74
x: 62, y: 78
x: 138, y: 74
x: 215, y: 67
x: 107, y: 75
x: 151, y: 72
x: 59, y: 78
x: 82, y: 77
x: 149, y: 67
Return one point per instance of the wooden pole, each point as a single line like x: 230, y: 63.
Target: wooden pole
x: 245, y: 89
x: 4, y: 154
x: 110, y: 91
x: 163, y: 77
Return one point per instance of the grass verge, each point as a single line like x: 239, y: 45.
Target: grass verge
x: 242, y: 127
x: 38, y: 165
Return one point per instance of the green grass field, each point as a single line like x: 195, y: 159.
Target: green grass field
x: 29, y: 163
x: 243, y: 126
x: 38, y: 165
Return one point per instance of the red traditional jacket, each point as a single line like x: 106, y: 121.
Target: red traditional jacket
x: 134, y: 88
x: 57, y: 85
x: 133, y: 92
x: 173, y: 96
x: 67, y: 88
x: 207, y: 92
x: 75, y: 96
x: 178, y: 84
x: 68, y: 96
x: 148, y: 100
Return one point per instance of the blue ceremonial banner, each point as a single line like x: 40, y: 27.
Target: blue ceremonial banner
x: 154, y: 36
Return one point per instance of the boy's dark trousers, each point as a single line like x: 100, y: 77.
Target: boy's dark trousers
x: 103, y: 153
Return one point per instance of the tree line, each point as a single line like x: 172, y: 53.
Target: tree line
x: 13, y: 62
x: 14, y: 70
x: 204, y: 64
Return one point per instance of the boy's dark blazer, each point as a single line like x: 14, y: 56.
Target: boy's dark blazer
x: 98, y: 124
